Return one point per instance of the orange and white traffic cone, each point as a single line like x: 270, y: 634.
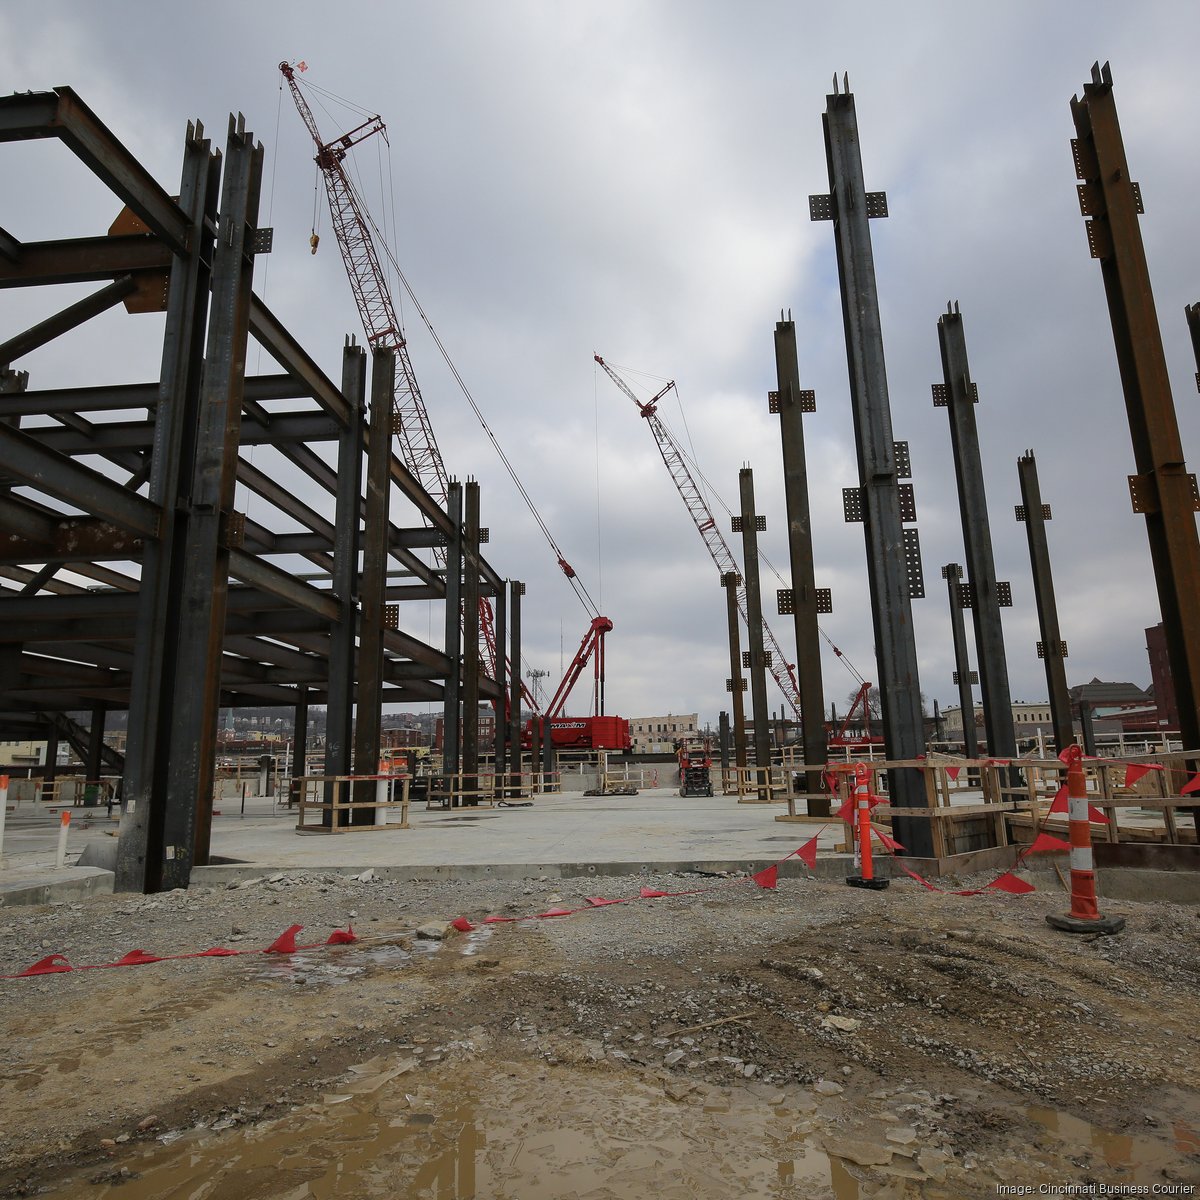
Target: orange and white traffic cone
x: 862, y: 851
x: 1084, y: 916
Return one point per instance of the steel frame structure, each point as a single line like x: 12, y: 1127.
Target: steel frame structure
x: 128, y: 577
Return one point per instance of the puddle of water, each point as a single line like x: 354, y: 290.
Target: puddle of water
x: 1120, y: 1152
x: 508, y: 1131
x: 493, y: 1130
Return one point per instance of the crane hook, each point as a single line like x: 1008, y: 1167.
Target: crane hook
x: 314, y: 241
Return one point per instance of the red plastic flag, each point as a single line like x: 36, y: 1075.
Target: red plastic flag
x: 557, y: 912
x: 767, y: 878
x: 342, y: 937
x: 217, y: 952
x: 1192, y: 785
x: 1134, y: 772
x: 846, y: 812
x: 1094, y: 814
x: 1045, y: 842
x: 52, y: 964
x: 953, y: 772
x: 461, y: 924
x: 497, y: 920
x: 285, y: 943
x: 651, y: 893
x: 1060, y: 804
x: 889, y: 842
x: 600, y: 902
x: 136, y: 958
x: 1008, y: 882
x: 807, y: 853
x: 1071, y: 754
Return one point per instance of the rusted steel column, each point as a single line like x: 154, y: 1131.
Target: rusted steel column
x: 987, y: 596
x: 516, y: 590
x: 339, y: 711
x: 155, y: 641
x: 1052, y: 649
x: 893, y: 552
x: 471, y: 661
x: 748, y: 523
x: 451, y: 720
x: 1163, y: 490
x: 372, y: 619
x: 736, y: 683
x: 963, y: 675
x: 204, y: 581
x: 806, y: 599
x: 95, y: 748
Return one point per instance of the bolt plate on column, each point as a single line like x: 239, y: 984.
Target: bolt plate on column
x: 1004, y: 594
x: 785, y: 602
x: 820, y: 208
x: 964, y: 593
x: 391, y: 616
x: 1023, y: 514
x: 773, y: 401
x: 908, y: 504
x: 741, y: 685
x: 731, y: 578
x: 1062, y: 650
x: 972, y: 677
x: 852, y: 504
x: 808, y: 400
x: 912, y: 564
x: 903, y: 460
x: 824, y: 600
x: 877, y: 204
x: 940, y: 399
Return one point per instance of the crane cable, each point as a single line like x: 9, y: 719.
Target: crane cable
x: 690, y: 460
x: 580, y: 591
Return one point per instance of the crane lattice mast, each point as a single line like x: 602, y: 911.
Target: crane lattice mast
x: 782, y: 670
x: 381, y: 323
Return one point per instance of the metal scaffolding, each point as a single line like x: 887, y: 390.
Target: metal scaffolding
x: 129, y: 579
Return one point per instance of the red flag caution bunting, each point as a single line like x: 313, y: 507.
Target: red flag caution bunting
x: 1008, y: 882
x: 461, y: 924
x: 807, y: 853
x: 1047, y: 841
x: 768, y: 878
x: 1192, y: 785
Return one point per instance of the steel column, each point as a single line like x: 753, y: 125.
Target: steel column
x: 893, y: 569
x: 339, y: 712
x: 987, y: 596
x: 50, y: 774
x: 1163, y: 490
x: 736, y: 683
x: 723, y: 740
x: 1051, y: 648
x: 451, y: 722
x: 156, y: 627
x: 1192, y: 312
x: 516, y: 590
x: 749, y: 523
x: 204, y: 581
x: 804, y: 582
x: 471, y: 658
x: 300, y: 744
x: 500, y: 626
x: 952, y: 572
x: 371, y: 616
x: 95, y: 746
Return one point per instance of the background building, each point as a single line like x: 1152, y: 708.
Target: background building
x: 658, y: 735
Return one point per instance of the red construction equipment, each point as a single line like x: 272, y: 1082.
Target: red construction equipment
x: 695, y: 766
x: 847, y: 734
x: 381, y: 323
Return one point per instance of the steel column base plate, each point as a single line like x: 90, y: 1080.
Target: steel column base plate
x: 874, y: 885
x: 1070, y: 924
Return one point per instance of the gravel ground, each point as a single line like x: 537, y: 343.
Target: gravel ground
x: 930, y: 1045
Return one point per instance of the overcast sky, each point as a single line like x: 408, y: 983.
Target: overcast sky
x: 632, y: 178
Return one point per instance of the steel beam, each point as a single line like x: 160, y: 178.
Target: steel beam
x: 1052, y: 649
x: 62, y: 114
x: 85, y: 260
x: 800, y: 545
x: 890, y: 572
x: 986, y: 597
x: 500, y: 630
x: 69, y: 318
x: 516, y: 590
x: 1163, y: 489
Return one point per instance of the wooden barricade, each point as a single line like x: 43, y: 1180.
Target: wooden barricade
x: 341, y: 803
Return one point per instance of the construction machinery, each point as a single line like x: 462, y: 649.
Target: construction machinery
x: 848, y: 732
x: 783, y: 672
x: 695, y: 766
x: 354, y: 228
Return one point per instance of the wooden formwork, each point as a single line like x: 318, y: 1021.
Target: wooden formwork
x: 976, y: 805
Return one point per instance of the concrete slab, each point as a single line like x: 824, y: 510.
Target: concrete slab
x: 35, y: 884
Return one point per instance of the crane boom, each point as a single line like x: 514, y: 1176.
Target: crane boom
x: 706, y: 525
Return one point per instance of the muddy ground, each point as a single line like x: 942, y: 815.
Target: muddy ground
x: 814, y: 1040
